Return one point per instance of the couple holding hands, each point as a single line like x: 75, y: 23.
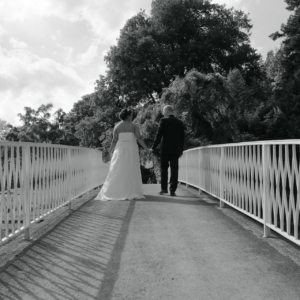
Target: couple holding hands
x: 124, y: 181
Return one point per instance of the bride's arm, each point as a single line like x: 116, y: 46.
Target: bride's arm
x: 114, y: 140
x: 139, y: 137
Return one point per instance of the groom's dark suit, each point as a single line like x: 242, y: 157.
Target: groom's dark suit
x: 170, y: 135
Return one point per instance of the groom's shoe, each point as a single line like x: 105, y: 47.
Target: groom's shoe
x: 163, y: 192
x: 172, y: 194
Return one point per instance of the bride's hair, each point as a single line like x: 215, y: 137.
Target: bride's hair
x: 125, y: 113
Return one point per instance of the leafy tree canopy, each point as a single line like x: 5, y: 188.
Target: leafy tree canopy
x: 288, y: 96
x: 178, y: 36
x: 40, y: 126
x: 274, y: 68
x: 4, y: 129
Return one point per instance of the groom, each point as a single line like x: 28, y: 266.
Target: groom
x: 171, y: 136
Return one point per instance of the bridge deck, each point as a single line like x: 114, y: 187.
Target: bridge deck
x: 158, y: 248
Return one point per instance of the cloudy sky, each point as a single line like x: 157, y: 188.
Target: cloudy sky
x: 52, y: 50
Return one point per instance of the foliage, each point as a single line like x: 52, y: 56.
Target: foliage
x: 179, y: 36
x: 288, y: 97
x: 38, y: 127
x: 219, y: 109
x: 291, y: 34
x: 13, y: 134
x: 96, y: 114
x: 4, y: 129
x: 274, y: 68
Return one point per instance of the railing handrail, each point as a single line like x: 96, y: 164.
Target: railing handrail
x: 32, y: 144
x: 270, y: 142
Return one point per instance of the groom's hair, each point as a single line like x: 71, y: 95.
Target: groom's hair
x: 125, y: 113
x: 169, y: 109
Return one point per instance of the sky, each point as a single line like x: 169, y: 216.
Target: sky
x: 52, y: 51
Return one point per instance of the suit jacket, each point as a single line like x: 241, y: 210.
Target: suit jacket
x: 170, y: 135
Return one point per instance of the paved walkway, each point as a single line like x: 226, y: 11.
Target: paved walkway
x: 158, y: 248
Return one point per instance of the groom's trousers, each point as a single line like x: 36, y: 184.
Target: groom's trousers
x: 167, y: 160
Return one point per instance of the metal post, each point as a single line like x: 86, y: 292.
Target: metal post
x: 222, y: 175
x: 69, y: 180
x: 266, y: 184
x: 27, y: 200
x: 186, y: 170
x: 199, y: 173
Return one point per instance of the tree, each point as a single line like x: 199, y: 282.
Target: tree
x: 288, y: 96
x: 13, y: 134
x: 96, y: 114
x: 290, y: 33
x: 4, y: 129
x: 205, y: 36
x: 218, y: 109
x: 274, y: 68
x: 38, y: 127
x: 201, y: 101
x: 177, y: 37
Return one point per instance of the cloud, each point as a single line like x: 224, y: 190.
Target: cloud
x: 53, y: 50
x: 103, y: 69
x: 17, y: 44
x: 103, y: 18
x: 22, y: 69
x: 2, y: 31
x: 255, y: 45
x: 12, y: 106
x: 87, y: 57
x: 29, y: 80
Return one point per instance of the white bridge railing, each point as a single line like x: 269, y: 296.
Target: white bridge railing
x: 37, y: 179
x: 260, y: 179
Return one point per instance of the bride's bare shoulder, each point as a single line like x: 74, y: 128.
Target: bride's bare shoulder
x: 118, y: 125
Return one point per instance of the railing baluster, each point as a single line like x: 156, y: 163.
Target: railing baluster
x: 222, y: 178
x: 26, y: 174
x: 18, y: 190
x: 69, y: 178
x: 266, y: 184
x: 2, y: 196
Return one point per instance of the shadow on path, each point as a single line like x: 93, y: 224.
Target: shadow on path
x: 177, y: 200
x: 77, y: 259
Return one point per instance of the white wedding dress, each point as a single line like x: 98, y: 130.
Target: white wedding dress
x: 124, y: 180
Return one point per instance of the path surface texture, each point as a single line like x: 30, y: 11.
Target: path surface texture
x: 161, y: 247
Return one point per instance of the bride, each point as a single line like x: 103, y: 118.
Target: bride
x: 124, y: 180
